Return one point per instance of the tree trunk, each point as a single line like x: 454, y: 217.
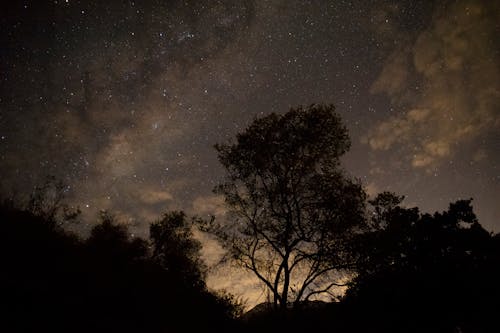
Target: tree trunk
x: 286, y: 283
x: 275, y: 300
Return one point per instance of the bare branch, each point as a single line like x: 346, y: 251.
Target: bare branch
x: 324, y: 290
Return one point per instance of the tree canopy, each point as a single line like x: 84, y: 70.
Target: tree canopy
x: 426, y: 272
x: 175, y: 248
x: 292, y: 209
x: 54, y: 281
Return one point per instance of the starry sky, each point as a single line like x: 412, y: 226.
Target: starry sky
x: 123, y: 101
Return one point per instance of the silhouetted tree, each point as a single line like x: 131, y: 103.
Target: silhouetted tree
x: 426, y: 273
x: 48, y: 201
x: 293, y: 210
x: 174, y: 247
x: 405, y: 238
x: 112, y: 238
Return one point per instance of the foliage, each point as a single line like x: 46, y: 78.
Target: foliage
x: 426, y: 272
x: 48, y: 202
x: 293, y: 211
x: 110, y: 241
x: 175, y: 248
x: 403, y: 238
x: 53, y: 281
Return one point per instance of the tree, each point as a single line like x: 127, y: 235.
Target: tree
x: 421, y: 272
x: 47, y: 201
x: 293, y: 210
x: 111, y: 242
x: 175, y: 249
x: 403, y: 238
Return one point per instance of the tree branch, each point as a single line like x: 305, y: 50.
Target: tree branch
x: 254, y: 269
x: 325, y: 290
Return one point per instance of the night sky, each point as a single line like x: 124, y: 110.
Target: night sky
x: 123, y: 101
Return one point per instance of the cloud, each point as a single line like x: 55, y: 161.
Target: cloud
x: 372, y: 189
x: 447, y: 80
x: 240, y: 283
x: 210, y: 205
x: 394, y: 77
x: 480, y: 155
x: 116, y: 157
x: 155, y: 197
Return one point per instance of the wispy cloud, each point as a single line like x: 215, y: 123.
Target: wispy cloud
x: 447, y: 80
x: 210, y: 205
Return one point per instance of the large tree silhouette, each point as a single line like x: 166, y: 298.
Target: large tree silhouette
x: 293, y: 210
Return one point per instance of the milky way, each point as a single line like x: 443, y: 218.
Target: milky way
x: 123, y: 101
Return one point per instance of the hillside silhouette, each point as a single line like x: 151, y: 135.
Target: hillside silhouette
x: 53, y: 281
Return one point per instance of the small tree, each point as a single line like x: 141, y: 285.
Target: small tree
x: 293, y: 211
x: 48, y: 202
x: 175, y: 249
x: 111, y: 241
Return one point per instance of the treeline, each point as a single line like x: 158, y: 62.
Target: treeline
x: 295, y: 219
x: 416, y: 273
x: 53, y: 281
